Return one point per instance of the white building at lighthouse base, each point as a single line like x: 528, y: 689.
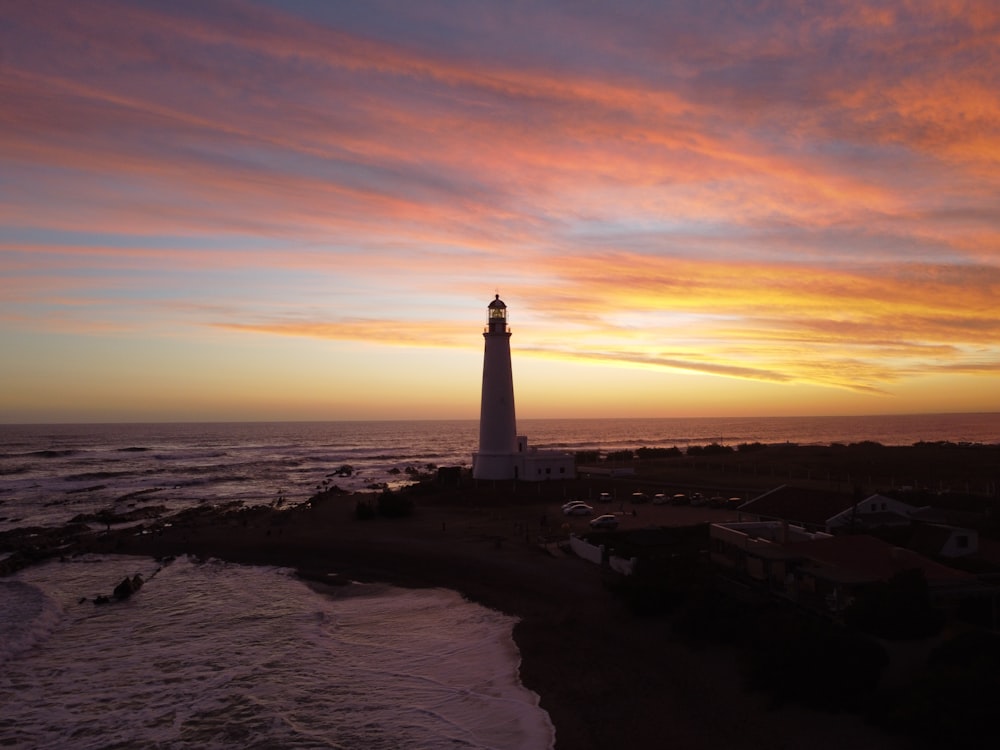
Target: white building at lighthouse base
x: 529, y: 464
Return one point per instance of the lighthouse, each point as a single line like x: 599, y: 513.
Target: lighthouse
x: 503, y: 454
x: 497, y: 427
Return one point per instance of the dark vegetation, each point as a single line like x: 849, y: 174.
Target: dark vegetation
x: 672, y: 568
x: 626, y: 454
x: 953, y: 702
x: 646, y: 453
x: 897, y: 610
x: 788, y: 653
x: 949, y: 470
x: 935, y: 469
x: 815, y: 662
x: 387, y: 504
x: 798, y: 656
x: 712, y: 449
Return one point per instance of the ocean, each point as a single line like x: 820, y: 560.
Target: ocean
x: 213, y: 655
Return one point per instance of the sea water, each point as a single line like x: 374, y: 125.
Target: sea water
x: 215, y: 655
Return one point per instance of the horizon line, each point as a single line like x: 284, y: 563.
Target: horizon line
x: 44, y: 423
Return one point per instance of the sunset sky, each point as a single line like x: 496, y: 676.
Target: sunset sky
x: 295, y: 209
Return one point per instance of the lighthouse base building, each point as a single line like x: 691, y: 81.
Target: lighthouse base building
x: 503, y: 454
x: 531, y: 465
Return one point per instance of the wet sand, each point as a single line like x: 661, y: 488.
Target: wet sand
x: 607, y: 678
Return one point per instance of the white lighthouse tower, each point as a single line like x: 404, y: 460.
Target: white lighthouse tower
x: 497, y: 427
x: 503, y: 454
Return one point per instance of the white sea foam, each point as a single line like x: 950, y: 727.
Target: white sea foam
x: 216, y: 655
x: 27, y: 618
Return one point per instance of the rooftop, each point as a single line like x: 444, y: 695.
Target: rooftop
x: 798, y: 505
x: 860, y: 557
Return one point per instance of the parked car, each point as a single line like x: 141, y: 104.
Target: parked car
x: 659, y: 499
x: 717, y: 501
x: 640, y: 497
x: 679, y: 499
x: 698, y: 499
x: 578, y: 510
x: 604, y: 497
x: 607, y: 521
x: 571, y: 503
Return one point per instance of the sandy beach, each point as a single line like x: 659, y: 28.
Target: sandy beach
x: 607, y: 678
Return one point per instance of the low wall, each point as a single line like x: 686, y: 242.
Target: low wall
x: 587, y: 551
x: 625, y: 566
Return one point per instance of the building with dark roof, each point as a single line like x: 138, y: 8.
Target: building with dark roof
x: 825, y: 571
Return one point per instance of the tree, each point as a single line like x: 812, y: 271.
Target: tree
x: 394, y: 505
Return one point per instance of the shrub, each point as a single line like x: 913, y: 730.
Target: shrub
x: 712, y: 449
x: 394, y: 505
x: 622, y: 455
x: 953, y: 703
x: 897, y: 610
x: 866, y: 444
x: 658, y: 452
x: 815, y: 663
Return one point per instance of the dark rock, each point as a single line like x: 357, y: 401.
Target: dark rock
x: 127, y: 587
x: 321, y: 576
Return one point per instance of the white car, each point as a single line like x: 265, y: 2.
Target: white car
x: 607, y: 521
x: 578, y: 510
x: 660, y: 499
x: 571, y: 503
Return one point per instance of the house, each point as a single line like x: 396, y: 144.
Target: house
x: 820, y: 570
x: 872, y: 512
x: 756, y: 550
x: 841, y: 565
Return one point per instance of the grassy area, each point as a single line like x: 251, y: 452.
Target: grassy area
x: 871, y: 467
